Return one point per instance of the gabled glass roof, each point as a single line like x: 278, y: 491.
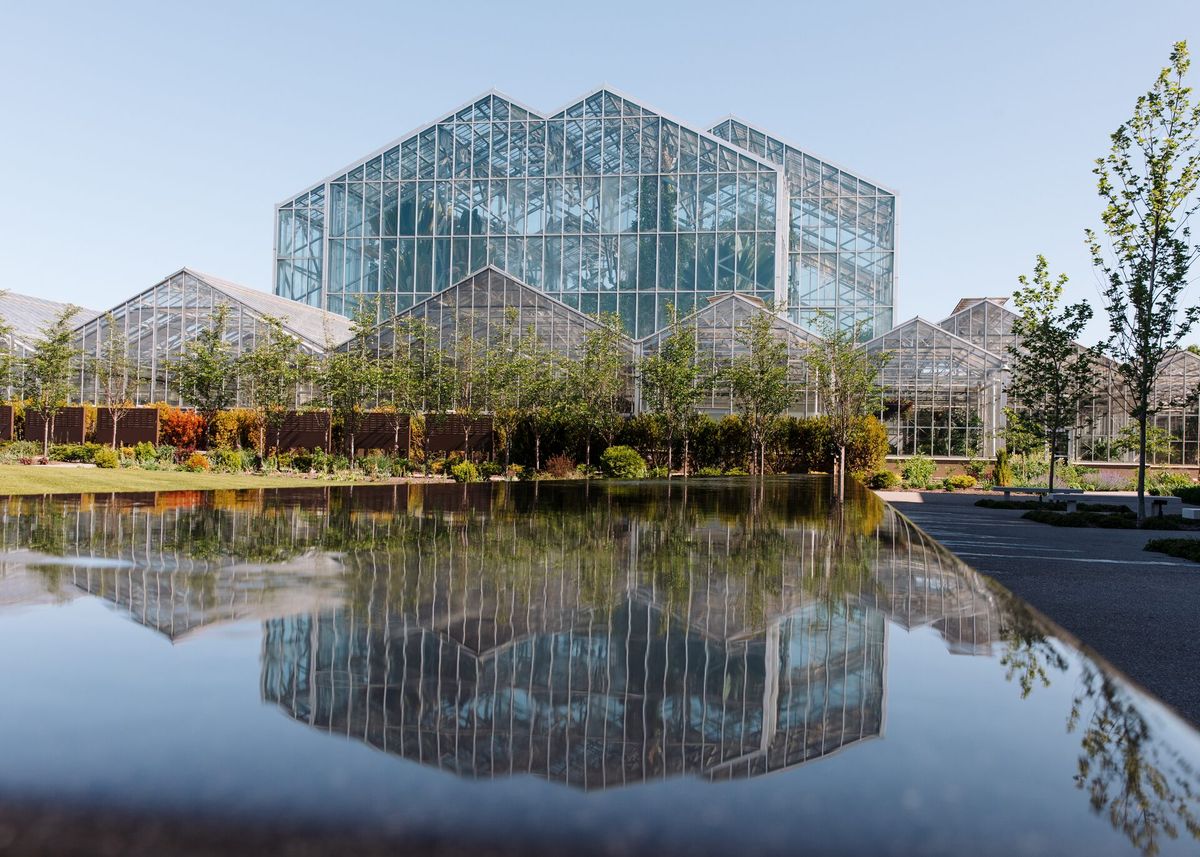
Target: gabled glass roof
x: 28, y: 315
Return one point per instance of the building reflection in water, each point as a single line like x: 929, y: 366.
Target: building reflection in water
x: 593, y: 638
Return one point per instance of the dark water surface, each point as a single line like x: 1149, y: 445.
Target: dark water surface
x: 718, y: 668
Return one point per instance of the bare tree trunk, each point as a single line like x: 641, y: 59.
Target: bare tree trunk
x: 1053, y: 458
x: 686, y: 446
x: 1141, y: 480
x: 670, y: 456
x: 114, y: 431
x: 47, y: 428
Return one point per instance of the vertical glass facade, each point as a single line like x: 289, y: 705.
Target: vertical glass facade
x: 606, y: 205
x: 841, y: 234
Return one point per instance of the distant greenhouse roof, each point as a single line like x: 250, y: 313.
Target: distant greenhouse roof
x: 29, y: 315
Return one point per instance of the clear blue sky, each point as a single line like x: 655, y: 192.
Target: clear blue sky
x: 139, y: 141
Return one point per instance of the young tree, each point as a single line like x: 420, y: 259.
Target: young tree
x: 274, y: 371
x: 47, y: 381
x: 758, y: 382
x: 114, y: 373
x: 510, y: 373
x: 846, y: 377
x: 671, y: 382
x: 205, y: 376
x: 597, y: 382
x: 411, y: 374
x: 1148, y: 185
x: 543, y: 393
x: 349, y: 376
x: 1052, y: 378
x: 472, y: 380
x: 7, y: 358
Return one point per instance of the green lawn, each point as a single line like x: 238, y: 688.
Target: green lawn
x: 38, y: 479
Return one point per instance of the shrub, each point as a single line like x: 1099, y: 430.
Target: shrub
x: 81, y: 452
x: 1002, y: 473
x: 881, y: 480
x: 107, y: 458
x: 180, y: 428
x: 976, y: 468
x: 13, y: 452
x: 1190, y: 494
x: 918, y: 471
x: 623, y: 462
x: 236, y: 428
x: 959, y: 482
x: 402, y: 466
x: 464, y: 471
x: 144, y: 452
x: 560, y: 466
x: 1182, y: 548
x: 708, y: 471
x: 1164, y: 482
x: 196, y: 462
x: 736, y: 471
x: 376, y: 465
x: 227, y: 460
x: 868, y: 446
x: 337, y: 462
x: 659, y: 472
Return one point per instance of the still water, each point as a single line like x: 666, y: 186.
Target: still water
x: 726, y: 667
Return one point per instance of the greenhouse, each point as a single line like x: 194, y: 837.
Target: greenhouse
x: 607, y: 205
x: 26, y: 317
x: 160, y: 321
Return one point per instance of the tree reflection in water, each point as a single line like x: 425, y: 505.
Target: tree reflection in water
x: 591, y: 634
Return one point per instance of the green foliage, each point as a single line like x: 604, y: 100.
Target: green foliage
x: 273, y: 374
x: 465, y: 471
x: 881, y: 480
x: 81, y: 452
x: 46, y: 383
x: 114, y: 372
x: 205, y: 376
x: 1164, y: 482
x: 623, y: 462
x: 671, y: 381
x: 1190, y: 494
x: 1052, y: 378
x: 959, y: 482
x: 597, y: 382
x: 1158, y: 441
x: 106, y: 458
x: 918, y: 471
x: 708, y: 472
x: 758, y: 381
x: 868, y: 447
x: 227, y: 461
x: 14, y: 451
x: 1147, y: 183
x: 1182, y: 548
x: 660, y: 472
x: 846, y: 379
x: 349, y: 374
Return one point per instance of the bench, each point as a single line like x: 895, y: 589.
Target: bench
x: 1159, y: 504
x: 1191, y: 513
x: 1041, y: 492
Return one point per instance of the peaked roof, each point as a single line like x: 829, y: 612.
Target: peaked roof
x: 967, y: 303
x: 740, y: 301
x: 28, y: 315
x: 316, y: 326
x: 310, y: 322
x: 919, y: 323
x: 475, y: 108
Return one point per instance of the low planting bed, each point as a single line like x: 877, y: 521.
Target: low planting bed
x: 1182, y: 548
x: 1119, y: 518
x: 1051, y: 505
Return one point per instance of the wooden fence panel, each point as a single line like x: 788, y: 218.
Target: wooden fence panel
x: 444, y: 434
x: 7, y: 417
x: 301, y: 430
x: 377, y: 431
x: 68, y: 426
x: 136, y: 425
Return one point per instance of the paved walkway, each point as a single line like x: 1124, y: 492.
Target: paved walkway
x: 1137, y: 609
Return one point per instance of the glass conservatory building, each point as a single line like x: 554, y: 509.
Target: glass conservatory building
x: 160, y: 321
x: 605, y: 205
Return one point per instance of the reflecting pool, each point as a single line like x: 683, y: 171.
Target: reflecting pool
x: 718, y: 667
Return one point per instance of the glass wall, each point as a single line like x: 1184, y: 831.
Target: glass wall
x: 160, y: 321
x: 840, y: 240
x: 606, y: 205
x: 716, y: 328
x: 942, y: 395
